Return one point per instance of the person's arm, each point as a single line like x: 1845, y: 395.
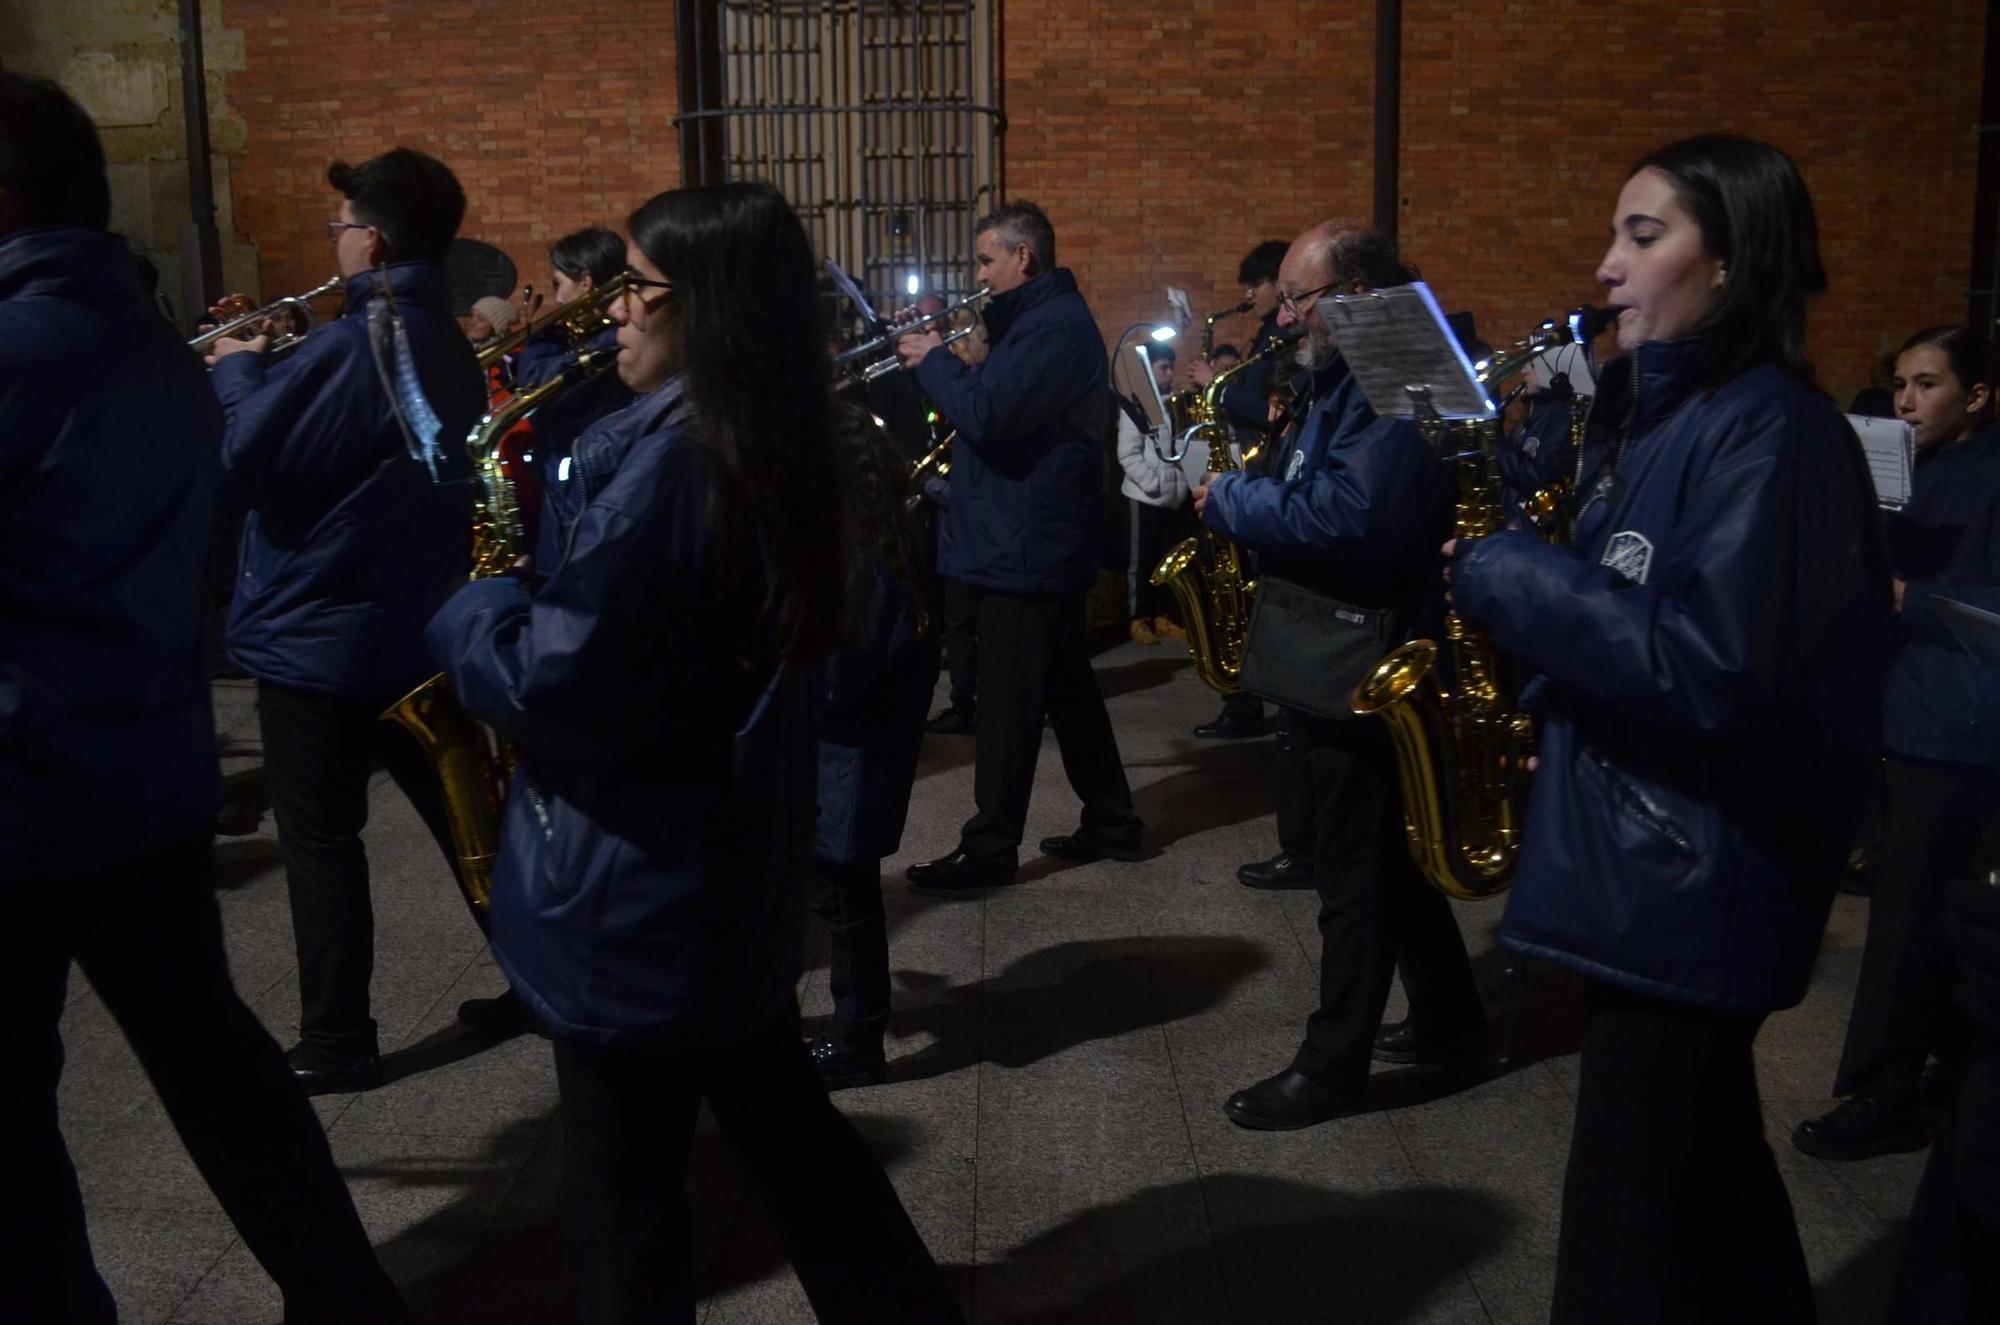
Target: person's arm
x: 1373, y: 490
x: 1033, y: 378
x: 292, y: 429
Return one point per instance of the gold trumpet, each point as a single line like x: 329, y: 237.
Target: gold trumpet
x: 577, y: 321
x: 299, y: 304
x: 935, y: 463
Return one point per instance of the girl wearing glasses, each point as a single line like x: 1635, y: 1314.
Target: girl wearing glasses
x: 662, y: 691
x: 1705, y: 647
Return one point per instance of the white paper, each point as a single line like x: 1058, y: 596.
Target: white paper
x: 1891, y: 448
x: 1396, y: 339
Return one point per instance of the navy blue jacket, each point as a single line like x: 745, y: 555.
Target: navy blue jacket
x: 557, y: 426
x: 878, y: 690
x: 1244, y: 400
x: 348, y: 546
x: 1354, y: 506
x: 1943, y: 705
x: 1027, y: 468
x: 657, y: 845
x: 108, y: 440
x: 1711, y: 655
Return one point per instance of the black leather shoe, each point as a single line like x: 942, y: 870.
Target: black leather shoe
x: 1862, y: 1127
x: 1088, y: 846
x: 1280, y: 871
x: 503, y: 1015
x: 1286, y: 1102
x: 845, y: 1067
x: 320, y: 1072
x: 1466, y: 1056
x: 958, y: 872
x: 950, y: 722
x: 1230, y: 727
x: 1397, y: 1042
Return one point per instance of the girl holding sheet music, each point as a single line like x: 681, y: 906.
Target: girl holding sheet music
x: 1941, y: 729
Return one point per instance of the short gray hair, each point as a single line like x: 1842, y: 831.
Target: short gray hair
x: 1024, y: 223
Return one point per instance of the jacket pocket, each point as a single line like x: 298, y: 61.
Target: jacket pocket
x: 1644, y: 824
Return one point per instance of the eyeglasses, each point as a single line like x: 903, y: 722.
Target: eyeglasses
x: 1296, y: 304
x: 635, y: 282
x: 333, y: 228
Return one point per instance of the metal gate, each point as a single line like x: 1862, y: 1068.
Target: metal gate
x: 877, y: 118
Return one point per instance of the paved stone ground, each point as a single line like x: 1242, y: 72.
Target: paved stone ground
x: 1060, y: 1055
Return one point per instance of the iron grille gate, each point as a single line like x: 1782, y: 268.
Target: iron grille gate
x: 876, y: 118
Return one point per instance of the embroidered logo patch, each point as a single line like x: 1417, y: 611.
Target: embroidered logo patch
x: 1629, y: 553
x: 1298, y: 463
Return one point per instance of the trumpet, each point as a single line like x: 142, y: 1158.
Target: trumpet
x: 867, y: 361
x: 291, y: 303
x: 577, y: 321
x: 935, y: 463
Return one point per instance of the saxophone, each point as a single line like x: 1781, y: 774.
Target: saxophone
x: 1206, y: 572
x: 1462, y: 755
x: 474, y: 763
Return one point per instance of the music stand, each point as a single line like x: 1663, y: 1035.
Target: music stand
x: 1404, y: 356
x: 1975, y: 628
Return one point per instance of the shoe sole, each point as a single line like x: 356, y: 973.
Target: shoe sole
x: 1902, y: 1143
x: 1258, y: 1123
x: 1302, y: 885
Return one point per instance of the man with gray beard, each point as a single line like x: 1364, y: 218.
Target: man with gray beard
x: 1349, y: 516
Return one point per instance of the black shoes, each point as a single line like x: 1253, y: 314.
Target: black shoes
x: 495, y: 1016
x: 950, y: 722
x: 844, y: 1067
x: 1082, y: 847
x: 1280, y: 871
x: 326, y: 1072
x: 1862, y: 1127
x: 1397, y: 1043
x: 1286, y: 1102
x: 1229, y: 726
x: 957, y: 873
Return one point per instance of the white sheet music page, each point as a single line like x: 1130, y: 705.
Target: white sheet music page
x: 1395, y: 339
x: 1891, y: 448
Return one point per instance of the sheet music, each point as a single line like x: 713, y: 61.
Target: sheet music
x: 1976, y: 628
x: 1144, y: 386
x: 1397, y: 338
x: 1183, y: 311
x: 846, y: 286
x: 1891, y: 448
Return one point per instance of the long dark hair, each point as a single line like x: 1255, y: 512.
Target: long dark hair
x: 875, y: 488
x: 1969, y: 353
x: 596, y: 252
x: 1756, y: 216
x: 743, y: 276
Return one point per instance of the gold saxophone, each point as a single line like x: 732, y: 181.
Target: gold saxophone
x: 474, y: 763
x: 1462, y: 756
x: 1206, y: 572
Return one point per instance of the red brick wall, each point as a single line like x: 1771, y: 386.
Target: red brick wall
x: 553, y: 117
x: 1164, y: 138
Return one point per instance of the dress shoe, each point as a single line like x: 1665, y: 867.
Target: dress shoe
x: 843, y: 1067
x: 324, y: 1072
x: 1286, y: 1102
x: 1230, y: 727
x: 1088, y: 846
x: 1861, y: 1127
x: 503, y: 1015
x: 1164, y: 627
x: 1465, y: 1056
x: 958, y: 872
x: 1283, y: 870
x: 951, y: 722
x: 1142, y: 631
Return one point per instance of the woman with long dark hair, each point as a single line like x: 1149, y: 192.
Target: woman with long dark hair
x: 650, y: 900
x: 1706, y: 646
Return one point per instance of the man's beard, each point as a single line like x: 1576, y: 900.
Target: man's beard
x: 1315, y: 350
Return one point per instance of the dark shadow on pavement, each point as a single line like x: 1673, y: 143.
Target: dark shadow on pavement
x: 1858, y: 1292
x: 243, y: 861
x: 1142, y: 675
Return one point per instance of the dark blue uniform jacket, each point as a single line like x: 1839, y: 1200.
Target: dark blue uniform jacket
x: 1711, y: 650
x: 348, y: 546
x: 1943, y: 704
x: 654, y: 863
x: 1027, y: 468
x: 108, y: 443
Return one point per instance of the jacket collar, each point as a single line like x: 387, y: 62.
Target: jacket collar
x: 601, y: 450
x: 89, y: 266
x: 1982, y: 439
x: 423, y: 284
x: 1653, y: 381
x: 1004, y: 310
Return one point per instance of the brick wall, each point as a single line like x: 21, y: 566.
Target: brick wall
x: 1165, y: 138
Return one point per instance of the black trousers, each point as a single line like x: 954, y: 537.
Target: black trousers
x: 960, y: 638
x: 1376, y: 910
x: 1673, y: 1210
x: 150, y: 938
x: 1292, y: 790
x: 1949, y: 1272
x: 319, y: 752
x: 1155, y: 530
x: 1034, y: 659
x: 847, y: 894
x: 628, y: 1117
x: 1902, y: 1001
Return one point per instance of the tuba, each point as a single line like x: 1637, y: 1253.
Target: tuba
x: 1206, y: 573
x: 1462, y: 755
x: 474, y: 764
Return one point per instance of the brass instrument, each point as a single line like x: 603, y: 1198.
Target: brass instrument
x: 1206, y: 572
x: 474, y: 764
x: 576, y: 321
x: 298, y: 304
x: 876, y: 356
x: 1462, y: 756
x: 934, y: 463
x: 1208, y: 326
